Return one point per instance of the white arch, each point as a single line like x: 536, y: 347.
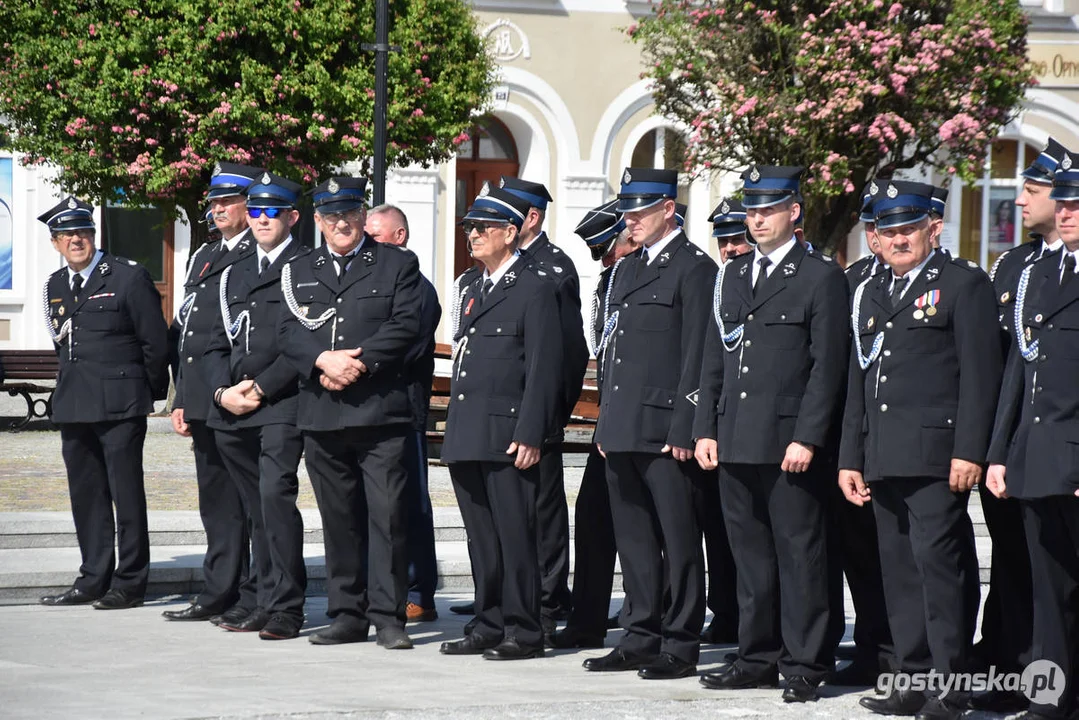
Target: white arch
x: 1050, y: 106
x: 533, y: 150
x: 550, y: 103
x: 628, y: 102
x: 652, y: 122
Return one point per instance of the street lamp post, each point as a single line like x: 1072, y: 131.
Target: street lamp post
x: 382, y: 49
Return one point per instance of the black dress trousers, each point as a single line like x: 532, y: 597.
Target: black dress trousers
x: 775, y: 522
x: 593, y: 549
x: 498, y: 506
x: 931, y: 585
x: 359, y: 479
x: 654, y: 507
x: 104, y: 467
x: 722, y: 598
x: 263, y: 461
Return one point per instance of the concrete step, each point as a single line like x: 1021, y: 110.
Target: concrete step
x: 28, y: 573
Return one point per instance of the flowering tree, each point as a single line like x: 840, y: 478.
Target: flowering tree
x: 850, y: 89
x: 138, y: 98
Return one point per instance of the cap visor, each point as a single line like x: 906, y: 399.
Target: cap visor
x: 901, y: 218
x: 634, y: 203
x: 340, y: 206
x: 73, y: 225
x: 223, y: 192
x: 764, y: 200
x: 268, y: 202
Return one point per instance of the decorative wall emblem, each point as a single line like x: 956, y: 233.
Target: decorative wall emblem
x: 507, y: 41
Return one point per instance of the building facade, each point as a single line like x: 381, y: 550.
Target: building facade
x: 570, y: 110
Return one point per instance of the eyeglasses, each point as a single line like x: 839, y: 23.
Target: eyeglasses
x: 480, y: 227
x: 351, y: 217
x: 270, y: 212
x: 69, y: 235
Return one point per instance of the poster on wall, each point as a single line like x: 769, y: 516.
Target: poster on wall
x: 1001, y: 220
x: 6, y: 226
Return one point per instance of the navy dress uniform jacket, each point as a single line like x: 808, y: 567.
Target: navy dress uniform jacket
x: 1036, y: 433
x: 256, y: 353
x: 862, y: 269
x: 652, y: 364
x: 930, y: 396
x: 375, y: 306
x: 195, y: 321
x: 420, y: 361
x: 1005, y: 275
x: 507, y: 373
x: 785, y: 380
x: 114, y: 360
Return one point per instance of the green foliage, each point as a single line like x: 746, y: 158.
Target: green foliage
x: 139, y: 98
x: 849, y: 89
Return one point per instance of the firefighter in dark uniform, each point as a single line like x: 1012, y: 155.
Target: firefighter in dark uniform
x: 772, y: 376
x: 505, y: 400
x: 104, y: 315
x: 552, y: 512
x: 603, y: 231
x: 255, y: 397
x: 230, y: 585
x: 651, y: 370
x: 353, y: 314
x: 729, y: 229
x: 1008, y: 611
x: 854, y: 546
x: 922, y: 388
x: 872, y: 263
x: 1033, y: 455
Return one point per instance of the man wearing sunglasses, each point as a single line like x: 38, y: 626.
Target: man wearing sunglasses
x: 104, y: 316
x: 552, y: 512
x: 504, y: 401
x: 229, y: 590
x: 255, y: 398
x: 353, y: 315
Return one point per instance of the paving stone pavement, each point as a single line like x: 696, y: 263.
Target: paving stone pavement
x: 80, y: 662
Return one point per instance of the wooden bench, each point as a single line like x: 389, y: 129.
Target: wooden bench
x: 578, y: 431
x: 21, y: 369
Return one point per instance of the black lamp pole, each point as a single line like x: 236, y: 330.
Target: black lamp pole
x: 382, y: 50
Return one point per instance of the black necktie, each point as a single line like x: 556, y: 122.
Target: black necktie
x: 764, y: 262
x: 898, y: 286
x: 488, y: 286
x: 342, y: 262
x: 76, y: 285
x: 264, y: 264
x: 1069, y: 270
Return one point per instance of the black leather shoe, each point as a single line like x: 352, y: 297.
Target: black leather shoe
x: 510, y: 649
x: 341, y: 632
x: 393, y: 638
x: 118, y: 600
x: 571, y: 637
x: 720, y: 633
x: 734, y: 677
x: 667, y: 667
x: 1000, y: 701
x: 469, y: 645
x: 937, y: 709
x: 618, y: 660
x: 854, y: 675
x: 71, y: 596
x: 799, y: 689
x: 252, y: 623
x: 471, y: 625
x: 466, y: 609
x: 190, y: 613
x: 232, y: 616
x: 281, y: 626
x: 900, y: 702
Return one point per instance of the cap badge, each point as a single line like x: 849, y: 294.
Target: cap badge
x: 333, y: 187
x: 724, y: 208
x: 72, y: 204
x: 217, y: 168
x: 754, y: 174
x: 873, y: 189
x: 1066, y: 163
x: 502, y: 183
x: 627, y: 178
x: 893, y: 192
x: 485, y: 189
x: 266, y: 179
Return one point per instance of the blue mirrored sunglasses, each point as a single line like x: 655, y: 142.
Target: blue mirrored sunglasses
x: 271, y: 212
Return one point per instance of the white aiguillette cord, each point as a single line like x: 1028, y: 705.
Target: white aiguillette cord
x: 294, y: 308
